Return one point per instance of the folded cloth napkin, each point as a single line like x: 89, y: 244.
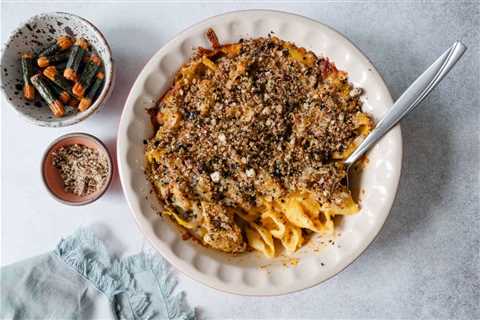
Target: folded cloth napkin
x: 79, y: 280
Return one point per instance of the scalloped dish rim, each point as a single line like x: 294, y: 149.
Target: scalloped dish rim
x: 250, y: 274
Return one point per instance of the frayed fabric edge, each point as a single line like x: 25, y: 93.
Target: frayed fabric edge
x: 175, y: 304
x: 87, y: 255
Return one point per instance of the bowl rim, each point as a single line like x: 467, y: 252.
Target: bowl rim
x: 99, y: 143
x: 176, y: 261
x: 79, y: 116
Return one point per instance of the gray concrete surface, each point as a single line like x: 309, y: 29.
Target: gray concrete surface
x: 425, y: 262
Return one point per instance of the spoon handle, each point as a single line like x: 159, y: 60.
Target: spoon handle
x: 417, y: 91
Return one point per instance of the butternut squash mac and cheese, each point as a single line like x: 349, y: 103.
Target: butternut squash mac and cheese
x: 250, y: 142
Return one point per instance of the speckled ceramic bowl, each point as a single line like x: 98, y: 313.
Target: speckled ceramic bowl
x: 35, y: 34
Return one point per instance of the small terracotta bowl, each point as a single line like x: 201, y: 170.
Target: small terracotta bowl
x: 51, y: 175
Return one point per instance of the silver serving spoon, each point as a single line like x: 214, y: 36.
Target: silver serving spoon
x: 417, y: 91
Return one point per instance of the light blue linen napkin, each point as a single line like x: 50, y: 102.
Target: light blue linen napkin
x: 79, y: 280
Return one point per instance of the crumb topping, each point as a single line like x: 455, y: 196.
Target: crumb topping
x: 82, y: 169
x: 257, y: 123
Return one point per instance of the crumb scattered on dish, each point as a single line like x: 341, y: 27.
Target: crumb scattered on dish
x: 291, y: 262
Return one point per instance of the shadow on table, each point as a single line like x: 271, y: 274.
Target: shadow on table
x: 427, y: 159
x: 128, y: 64
x: 107, y: 237
x: 115, y: 186
x: 127, y: 67
x: 428, y: 150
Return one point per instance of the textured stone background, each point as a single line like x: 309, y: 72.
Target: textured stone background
x: 424, y: 263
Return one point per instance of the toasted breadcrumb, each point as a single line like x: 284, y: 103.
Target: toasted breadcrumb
x: 253, y: 124
x: 82, y: 169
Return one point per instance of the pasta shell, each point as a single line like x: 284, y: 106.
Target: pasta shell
x: 260, y: 239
